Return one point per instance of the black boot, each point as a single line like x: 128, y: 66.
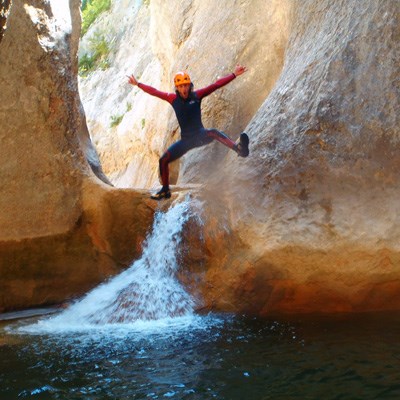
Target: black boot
x: 164, y: 193
x: 242, y: 145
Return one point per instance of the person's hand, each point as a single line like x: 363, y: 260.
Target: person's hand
x: 239, y: 70
x: 132, y: 80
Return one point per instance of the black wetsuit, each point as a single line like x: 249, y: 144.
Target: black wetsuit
x: 188, y: 113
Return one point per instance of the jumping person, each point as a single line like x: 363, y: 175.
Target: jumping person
x: 187, y: 105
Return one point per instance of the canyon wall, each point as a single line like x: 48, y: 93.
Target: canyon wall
x: 154, y: 41
x: 60, y: 223
x: 308, y: 223
x: 313, y: 214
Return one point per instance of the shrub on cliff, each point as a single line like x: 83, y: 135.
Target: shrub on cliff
x: 98, y: 58
x: 91, y: 9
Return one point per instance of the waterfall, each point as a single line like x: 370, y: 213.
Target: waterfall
x: 148, y: 290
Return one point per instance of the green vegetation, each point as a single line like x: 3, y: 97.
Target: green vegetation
x: 98, y: 57
x: 115, y: 120
x: 91, y: 9
x: 143, y: 123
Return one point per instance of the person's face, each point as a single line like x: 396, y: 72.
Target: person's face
x: 184, y: 90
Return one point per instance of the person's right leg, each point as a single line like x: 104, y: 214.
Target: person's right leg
x: 175, y: 151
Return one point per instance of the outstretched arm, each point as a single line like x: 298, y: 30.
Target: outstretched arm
x: 150, y: 90
x: 239, y: 70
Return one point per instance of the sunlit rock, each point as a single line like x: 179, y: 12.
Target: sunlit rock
x: 156, y: 40
x: 312, y: 219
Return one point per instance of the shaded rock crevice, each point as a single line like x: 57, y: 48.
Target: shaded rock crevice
x: 4, y: 9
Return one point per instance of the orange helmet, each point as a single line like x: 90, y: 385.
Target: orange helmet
x: 181, y: 78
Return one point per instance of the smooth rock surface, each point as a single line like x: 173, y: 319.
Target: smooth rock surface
x: 154, y: 42
x: 314, y: 211
x: 62, y: 229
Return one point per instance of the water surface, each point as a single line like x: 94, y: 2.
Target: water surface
x: 137, y: 336
x: 221, y: 357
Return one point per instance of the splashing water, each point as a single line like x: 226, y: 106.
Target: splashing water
x: 146, y: 291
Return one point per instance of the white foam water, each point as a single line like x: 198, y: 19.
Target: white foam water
x: 146, y: 296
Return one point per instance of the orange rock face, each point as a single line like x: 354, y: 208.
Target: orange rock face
x: 312, y: 216
x: 62, y: 230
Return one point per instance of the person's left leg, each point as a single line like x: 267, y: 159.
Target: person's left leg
x: 241, y: 147
x: 221, y: 137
